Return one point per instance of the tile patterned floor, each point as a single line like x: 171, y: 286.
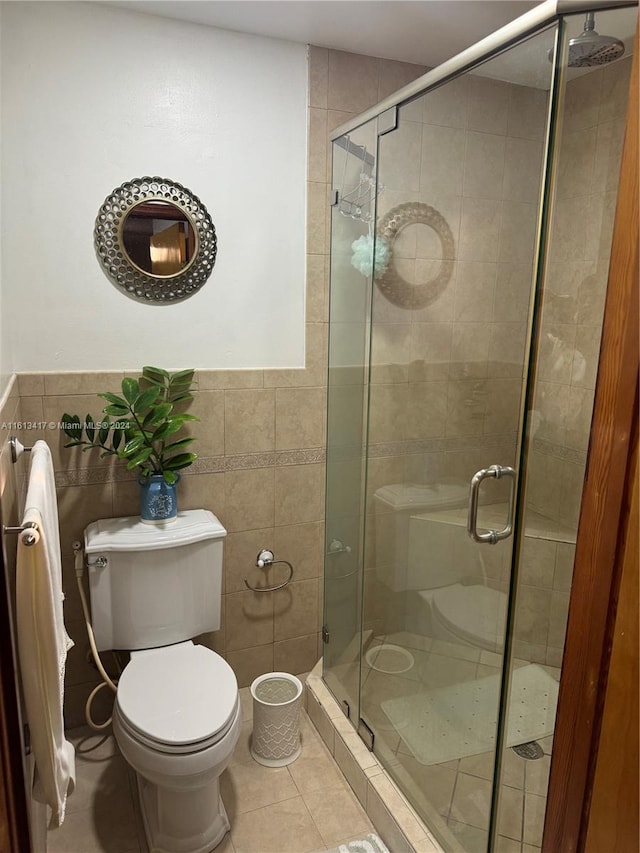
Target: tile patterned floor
x: 302, y: 808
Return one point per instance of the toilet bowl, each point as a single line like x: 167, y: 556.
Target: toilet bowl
x: 470, y: 615
x: 177, y: 719
x: 177, y: 715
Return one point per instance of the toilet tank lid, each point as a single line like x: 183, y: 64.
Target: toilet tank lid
x: 419, y: 496
x: 131, y: 534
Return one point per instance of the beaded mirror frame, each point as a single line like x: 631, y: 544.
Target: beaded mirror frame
x: 128, y: 276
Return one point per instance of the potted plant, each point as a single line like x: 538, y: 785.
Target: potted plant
x: 144, y: 432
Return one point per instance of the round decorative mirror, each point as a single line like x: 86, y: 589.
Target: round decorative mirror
x: 155, y: 240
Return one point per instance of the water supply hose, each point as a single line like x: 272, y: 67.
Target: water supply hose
x: 106, y: 680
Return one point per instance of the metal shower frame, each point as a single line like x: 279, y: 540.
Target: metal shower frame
x: 544, y: 14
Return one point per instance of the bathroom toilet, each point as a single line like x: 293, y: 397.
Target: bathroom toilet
x: 423, y: 551
x: 177, y: 715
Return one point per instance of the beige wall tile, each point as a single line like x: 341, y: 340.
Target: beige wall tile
x: 250, y: 663
x: 248, y: 499
x: 126, y: 498
x: 399, y: 158
x: 295, y: 656
x: 337, y: 117
x: 384, y: 822
x: 316, y: 217
x: 448, y: 104
x: 303, y: 546
x: 80, y: 505
x: 296, y: 610
x: 317, y: 148
x: 442, y: 164
x: 480, y: 230
x: 517, y: 232
x: 318, y: 76
x: 300, y: 417
x: 353, y: 81
x: 299, y: 494
x: 527, y: 115
x: 31, y: 384
x: 202, y: 491
x: 241, y: 550
x: 484, y: 162
x: 209, y: 380
x: 394, y: 75
x: 249, y: 619
x: 522, y: 172
x: 209, y: 431
x: 317, y: 288
x: 615, y: 90
x: 61, y: 384
x: 488, y: 105
x: 249, y: 421
x: 474, y: 292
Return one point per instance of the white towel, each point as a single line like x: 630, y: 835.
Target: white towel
x: 42, y: 639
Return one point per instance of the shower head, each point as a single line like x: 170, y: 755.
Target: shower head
x: 590, y: 48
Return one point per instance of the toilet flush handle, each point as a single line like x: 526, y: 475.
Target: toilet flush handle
x: 490, y: 537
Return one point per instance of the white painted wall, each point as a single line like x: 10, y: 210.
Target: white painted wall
x: 94, y: 96
x: 6, y: 364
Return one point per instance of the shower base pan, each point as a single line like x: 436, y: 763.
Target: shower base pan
x: 453, y: 722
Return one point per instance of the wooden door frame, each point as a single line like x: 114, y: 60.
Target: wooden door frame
x: 14, y: 816
x: 596, y: 571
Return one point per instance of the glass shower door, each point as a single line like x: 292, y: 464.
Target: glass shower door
x: 352, y: 220
x: 458, y: 210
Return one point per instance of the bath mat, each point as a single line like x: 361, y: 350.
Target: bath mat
x: 460, y: 720
x: 370, y: 844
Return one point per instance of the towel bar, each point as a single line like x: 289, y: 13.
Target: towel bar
x: 28, y: 538
x: 17, y: 448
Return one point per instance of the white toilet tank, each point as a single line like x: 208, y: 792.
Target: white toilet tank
x: 154, y: 585
x: 408, y: 555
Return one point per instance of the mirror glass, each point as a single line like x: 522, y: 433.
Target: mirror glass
x: 159, y: 238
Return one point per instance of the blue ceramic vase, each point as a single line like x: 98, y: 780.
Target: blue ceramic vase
x: 158, y: 500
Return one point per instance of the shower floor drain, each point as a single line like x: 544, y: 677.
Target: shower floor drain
x: 529, y: 751
x: 389, y: 658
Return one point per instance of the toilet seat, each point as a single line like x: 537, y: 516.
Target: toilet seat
x: 474, y: 613
x: 177, y: 699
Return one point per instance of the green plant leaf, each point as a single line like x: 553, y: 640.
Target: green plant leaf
x: 89, y: 428
x: 103, y: 434
x: 181, y: 398
x: 116, y: 441
x: 146, y: 399
x: 132, y: 446
x: 183, y: 417
x: 178, y: 445
x: 113, y: 398
x: 130, y: 389
x: 116, y: 410
x: 165, y: 430
x: 157, y: 413
x: 154, y: 372
x: 139, y: 458
x: 72, y: 426
x: 182, y: 376
x: 169, y: 477
x: 182, y: 460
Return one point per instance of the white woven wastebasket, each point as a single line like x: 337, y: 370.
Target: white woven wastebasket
x: 276, y: 719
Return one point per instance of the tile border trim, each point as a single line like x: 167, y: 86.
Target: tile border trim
x: 394, y: 818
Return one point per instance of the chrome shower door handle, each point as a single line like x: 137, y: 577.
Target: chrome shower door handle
x: 490, y: 537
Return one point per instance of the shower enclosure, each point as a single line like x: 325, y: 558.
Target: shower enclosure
x: 470, y: 236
